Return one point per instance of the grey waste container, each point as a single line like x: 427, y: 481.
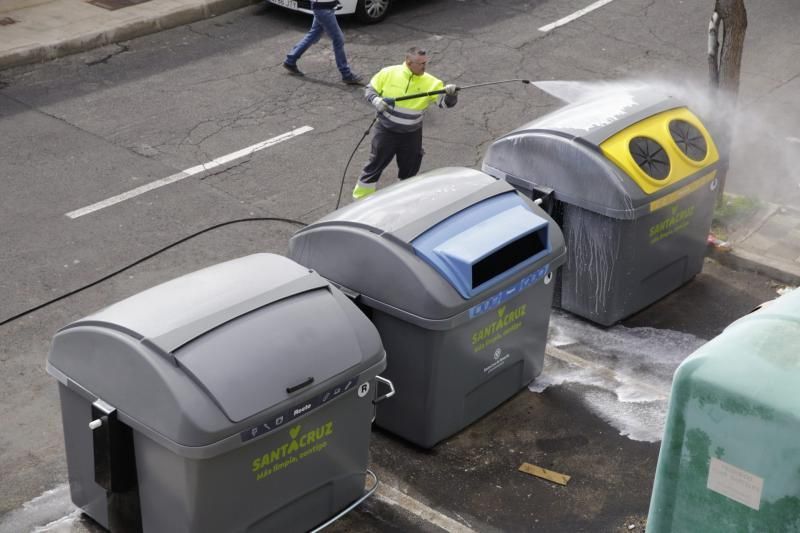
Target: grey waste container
x: 454, y: 268
x: 630, y: 177
x: 235, y: 398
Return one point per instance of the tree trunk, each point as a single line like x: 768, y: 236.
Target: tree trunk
x: 725, y: 65
x: 734, y: 20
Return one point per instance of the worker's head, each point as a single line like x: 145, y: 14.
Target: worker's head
x: 417, y: 60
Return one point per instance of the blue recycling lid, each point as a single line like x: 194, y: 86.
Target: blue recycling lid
x: 481, y: 246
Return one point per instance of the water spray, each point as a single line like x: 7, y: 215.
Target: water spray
x: 411, y: 97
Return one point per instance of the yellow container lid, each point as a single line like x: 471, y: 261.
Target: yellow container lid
x: 662, y: 150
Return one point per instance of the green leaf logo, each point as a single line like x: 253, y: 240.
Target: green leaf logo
x: 294, y: 431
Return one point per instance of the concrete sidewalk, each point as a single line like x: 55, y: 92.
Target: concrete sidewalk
x: 767, y: 241
x: 32, y: 31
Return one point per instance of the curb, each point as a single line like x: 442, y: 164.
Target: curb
x: 120, y: 31
x: 776, y: 269
x: 739, y: 258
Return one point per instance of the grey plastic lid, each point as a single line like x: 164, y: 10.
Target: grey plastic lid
x: 597, y: 118
x: 577, y: 173
x: 178, y: 311
x: 369, y: 246
x: 561, y: 152
x: 407, y: 209
x: 193, y: 357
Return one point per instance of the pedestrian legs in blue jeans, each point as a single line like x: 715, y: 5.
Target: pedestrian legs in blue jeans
x: 324, y: 21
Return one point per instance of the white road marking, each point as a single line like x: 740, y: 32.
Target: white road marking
x: 186, y: 173
x: 393, y: 496
x: 577, y: 14
x: 793, y: 140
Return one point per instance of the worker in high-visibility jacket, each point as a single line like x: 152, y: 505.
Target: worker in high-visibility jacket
x: 398, y: 132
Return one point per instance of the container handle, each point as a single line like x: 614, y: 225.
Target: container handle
x: 389, y: 394
x: 353, y: 505
x: 299, y: 386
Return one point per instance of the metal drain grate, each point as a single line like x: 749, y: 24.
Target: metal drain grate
x: 112, y: 5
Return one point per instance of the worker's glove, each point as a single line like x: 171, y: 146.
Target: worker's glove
x: 450, y: 89
x: 383, y: 104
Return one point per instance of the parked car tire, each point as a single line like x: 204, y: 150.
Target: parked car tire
x: 372, y: 11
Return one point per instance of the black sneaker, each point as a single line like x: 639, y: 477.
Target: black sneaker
x: 353, y: 79
x: 293, y: 69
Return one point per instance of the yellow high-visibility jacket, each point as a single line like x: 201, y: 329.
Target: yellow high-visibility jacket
x: 398, y: 80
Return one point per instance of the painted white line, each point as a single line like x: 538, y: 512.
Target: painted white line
x: 393, y: 496
x: 793, y: 140
x: 577, y: 14
x: 188, y: 172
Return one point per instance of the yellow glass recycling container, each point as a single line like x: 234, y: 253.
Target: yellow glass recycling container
x: 630, y: 177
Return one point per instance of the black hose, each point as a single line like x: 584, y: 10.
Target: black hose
x: 410, y: 97
x: 145, y: 258
x: 250, y: 219
x: 344, y: 174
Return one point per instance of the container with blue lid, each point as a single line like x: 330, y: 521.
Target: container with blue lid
x: 455, y: 269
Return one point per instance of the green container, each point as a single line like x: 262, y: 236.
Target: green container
x: 730, y: 457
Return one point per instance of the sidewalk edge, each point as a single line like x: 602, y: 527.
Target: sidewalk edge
x: 123, y: 31
x: 782, y: 271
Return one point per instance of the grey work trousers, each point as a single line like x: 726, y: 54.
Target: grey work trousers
x: 407, y: 147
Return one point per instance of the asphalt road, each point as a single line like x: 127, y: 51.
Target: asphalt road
x: 89, y: 127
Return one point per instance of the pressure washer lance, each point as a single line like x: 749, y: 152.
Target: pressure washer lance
x: 411, y: 97
x: 458, y: 89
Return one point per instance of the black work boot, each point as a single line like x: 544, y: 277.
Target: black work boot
x: 293, y: 69
x: 353, y: 79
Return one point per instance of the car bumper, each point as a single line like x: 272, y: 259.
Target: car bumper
x: 348, y: 6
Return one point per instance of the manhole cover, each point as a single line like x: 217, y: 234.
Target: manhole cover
x: 111, y: 5
x: 6, y: 21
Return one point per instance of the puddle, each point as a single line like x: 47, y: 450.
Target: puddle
x: 51, y: 512
x: 627, y: 372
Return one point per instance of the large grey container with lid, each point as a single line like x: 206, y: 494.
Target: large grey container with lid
x: 454, y: 268
x: 235, y: 398
x: 629, y: 175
